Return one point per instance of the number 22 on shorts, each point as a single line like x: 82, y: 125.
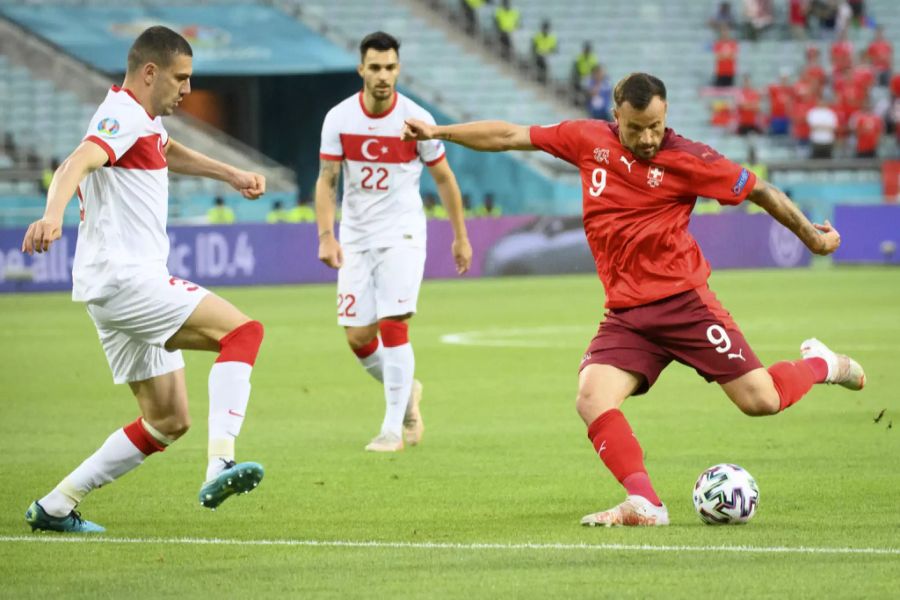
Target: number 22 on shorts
x: 345, y: 305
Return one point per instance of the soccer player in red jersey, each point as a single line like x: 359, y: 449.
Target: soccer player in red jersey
x: 640, y: 182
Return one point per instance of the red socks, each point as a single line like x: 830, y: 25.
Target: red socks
x: 393, y: 333
x: 367, y: 350
x: 241, y: 344
x: 620, y: 451
x: 793, y: 379
x: 141, y: 438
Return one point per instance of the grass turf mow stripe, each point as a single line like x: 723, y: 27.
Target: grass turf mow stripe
x: 44, y: 538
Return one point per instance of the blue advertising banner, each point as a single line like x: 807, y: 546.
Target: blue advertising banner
x: 260, y: 254
x: 869, y: 234
x: 241, y: 39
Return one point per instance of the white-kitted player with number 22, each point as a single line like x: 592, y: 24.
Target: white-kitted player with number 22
x: 381, y: 253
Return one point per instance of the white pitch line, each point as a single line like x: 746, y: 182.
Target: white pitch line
x: 94, y: 539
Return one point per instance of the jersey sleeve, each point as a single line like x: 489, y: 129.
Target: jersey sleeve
x: 722, y: 180
x: 330, y: 147
x: 115, y: 129
x: 561, y: 140
x: 430, y: 151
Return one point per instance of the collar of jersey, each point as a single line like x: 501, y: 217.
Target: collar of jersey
x: 117, y: 89
x: 362, y: 105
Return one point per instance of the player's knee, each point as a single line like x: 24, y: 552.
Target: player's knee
x: 759, y: 403
x: 172, y: 426
x: 359, y: 338
x: 242, y: 343
x: 590, y: 404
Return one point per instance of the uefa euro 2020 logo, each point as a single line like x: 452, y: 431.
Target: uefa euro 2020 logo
x: 108, y: 126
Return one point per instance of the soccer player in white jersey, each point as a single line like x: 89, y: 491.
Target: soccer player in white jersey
x: 381, y: 253
x: 144, y: 316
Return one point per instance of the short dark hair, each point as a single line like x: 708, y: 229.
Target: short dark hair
x: 158, y: 45
x: 380, y: 41
x: 638, y: 89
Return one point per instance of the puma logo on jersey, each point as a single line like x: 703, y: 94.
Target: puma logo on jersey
x: 739, y: 354
x: 627, y: 163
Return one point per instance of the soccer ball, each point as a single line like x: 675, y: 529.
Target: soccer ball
x: 725, y: 495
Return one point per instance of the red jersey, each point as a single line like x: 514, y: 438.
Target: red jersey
x: 636, y: 212
x: 895, y: 87
x: 841, y: 55
x: 780, y: 98
x: 881, y: 54
x: 868, y: 127
x: 799, y: 125
x: 726, y: 56
x: 863, y: 77
x: 748, y: 106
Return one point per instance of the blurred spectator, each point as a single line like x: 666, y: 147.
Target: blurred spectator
x: 868, y: 127
x: 9, y: 146
x: 798, y: 13
x: 543, y: 44
x: 467, y: 204
x: 488, y: 208
x: 844, y: 16
x: 881, y: 53
x: 804, y: 101
x: 823, y: 125
x: 761, y: 170
x: 863, y: 75
x: 726, y: 51
x: 813, y: 72
x: 277, y: 214
x: 220, y: 213
x: 724, y: 17
x: 759, y: 15
x: 582, y: 66
x: 748, y: 101
x: 599, y: 94
x: 826, y: 12
x: 506, y: 21
x: 470, y: 14
x: 47, y: 174
x: 841, y: 53
x: 302, y: 212
x: 429, y: 202
x: 781, y: 96
x: 858, y: 11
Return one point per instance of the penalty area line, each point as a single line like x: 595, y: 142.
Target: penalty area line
x: 96, y: 539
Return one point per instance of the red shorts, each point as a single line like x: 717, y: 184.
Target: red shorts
x: 691, y: 327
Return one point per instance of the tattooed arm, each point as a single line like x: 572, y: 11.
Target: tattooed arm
x: 820, y: 239
x: 330, y: 251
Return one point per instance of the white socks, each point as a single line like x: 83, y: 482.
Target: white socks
x: 399, y: 365
x: 118, y: 455
x: 373, y: 363
x: 229, y: 393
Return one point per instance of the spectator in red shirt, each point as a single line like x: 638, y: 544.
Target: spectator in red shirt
x: 868, y: 127
x: 798, y: 11
x: 813, y: 73
x: 781, y: 96
x: 881, y: 53
x: 895, y: 86
x: 726, y: 51
x: 748, y: 101
x: 841, y: 53
x: 863, y: 75
x: 803, y: 103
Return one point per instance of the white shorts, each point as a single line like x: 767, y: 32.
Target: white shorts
x: 379, y: 283
x: 138, y: 319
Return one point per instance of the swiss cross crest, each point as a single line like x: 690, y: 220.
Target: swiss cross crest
x: 655, y: 175
x: 601, y: 155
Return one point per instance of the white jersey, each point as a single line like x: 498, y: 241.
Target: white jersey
x: 381, y: 202
x: 124, y: 204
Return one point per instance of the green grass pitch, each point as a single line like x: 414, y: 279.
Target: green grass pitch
x: 489, y: 505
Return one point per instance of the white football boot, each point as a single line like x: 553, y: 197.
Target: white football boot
x: 385, y: 442
x: 842, y: 369
x: 413, y: 427
x: 635, y: 511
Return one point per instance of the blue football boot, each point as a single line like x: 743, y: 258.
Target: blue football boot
x: 38, y: 519
x: 237, y: 478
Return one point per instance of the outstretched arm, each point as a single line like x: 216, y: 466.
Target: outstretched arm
x: 185, y: 161
x: 448, y: 190
x: 330, y: 251
x: 86, y: 158
x: 486, y: 136
x: 776, y: 203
